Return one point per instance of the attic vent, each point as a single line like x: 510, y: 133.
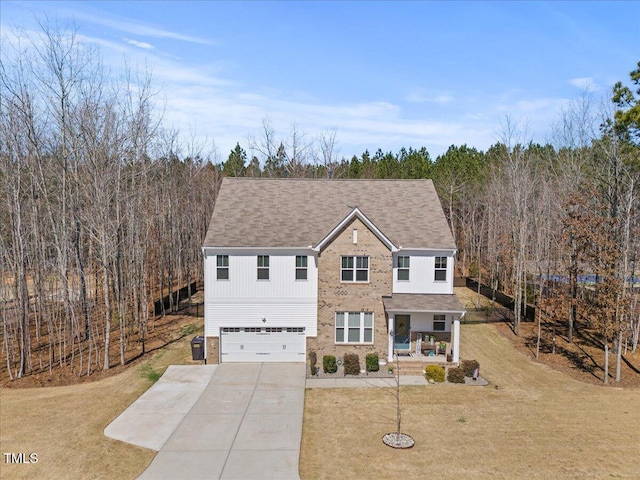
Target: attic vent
x: 355, y: 236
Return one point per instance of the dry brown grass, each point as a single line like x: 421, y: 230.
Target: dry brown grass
x: 64, y: 425
x: 538, y: 423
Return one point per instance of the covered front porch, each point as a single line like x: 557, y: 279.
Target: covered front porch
x: 424, y: 327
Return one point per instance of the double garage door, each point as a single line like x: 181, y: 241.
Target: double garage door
x: 262, y: 344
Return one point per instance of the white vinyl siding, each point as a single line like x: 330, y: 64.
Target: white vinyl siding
x: 422, y: 273
x: 282, y: 301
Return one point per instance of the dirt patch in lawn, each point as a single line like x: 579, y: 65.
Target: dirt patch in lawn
x: 531, y: 421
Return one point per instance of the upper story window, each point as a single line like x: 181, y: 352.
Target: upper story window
x: 403, y: 268
x: 222, y: 264
x: 354, y: 269
x: 263, y: 267
x: 301, y: 267
x: 441, y: 269
x: 439, y: 323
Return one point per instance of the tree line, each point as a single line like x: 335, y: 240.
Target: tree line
x: 100, y: 211
x: 103, y: 210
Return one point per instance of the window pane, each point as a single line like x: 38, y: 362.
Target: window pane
x: 354, y: 319
x: 403, y: 262
x: 362, y: 262
x: 347, y: 262
x: 223, y: 260
x: 301, y: 261
x: 339, y: 334
x: 347, y: 275
x: 403, y: 274
x: 263, y: 274
x: 362, y: 275
x: 368, y: 335
x: 223, y: 274
x: 354, y: 335
x: 441, y: 275
x: 438, y: 326
x: 301, y: 274
x: 340, y: 319
x: 368, y: 319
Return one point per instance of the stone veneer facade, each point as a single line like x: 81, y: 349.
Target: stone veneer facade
x: 336, y: 296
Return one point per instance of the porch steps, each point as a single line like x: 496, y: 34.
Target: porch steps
x: 414, y: 367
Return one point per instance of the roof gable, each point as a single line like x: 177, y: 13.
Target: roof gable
x: 355, y: 213
x: 301, y: 213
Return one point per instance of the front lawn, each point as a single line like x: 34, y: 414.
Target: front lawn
x: 530, y: 422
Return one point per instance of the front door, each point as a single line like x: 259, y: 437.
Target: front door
x: 402, y: 337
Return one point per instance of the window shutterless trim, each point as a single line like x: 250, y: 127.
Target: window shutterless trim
x: 263, y: 267
x: 222, y: 267
x: 354, y: 269
x: 301, y: 267
x: 440, y: 274
x: 354, y: 328
x: 403, y: 268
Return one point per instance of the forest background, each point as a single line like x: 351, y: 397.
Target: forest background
x: 103, y: 210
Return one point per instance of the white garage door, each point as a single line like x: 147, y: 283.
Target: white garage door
x: 266, y: 344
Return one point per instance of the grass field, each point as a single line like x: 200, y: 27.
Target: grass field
x: 530, y: 422
x: 537, y: 423
x: 64, y: 425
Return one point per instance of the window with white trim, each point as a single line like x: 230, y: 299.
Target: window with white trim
x: 301, y: 267
x: 354, y: 327
x: 403, y: 268
x: 439, y: 322
x: 354, y: 269
x: 441, y: 269
x: 222, y: 267
x: 263, y: 267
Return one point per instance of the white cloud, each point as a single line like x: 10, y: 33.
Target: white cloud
x: 138, y: 28
x: 136, y: 43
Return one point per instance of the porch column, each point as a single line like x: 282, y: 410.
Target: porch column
x: 455, y: 350
x: 390, y: 340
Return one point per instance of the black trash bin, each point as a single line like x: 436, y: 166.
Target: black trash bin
x: 197, y: 348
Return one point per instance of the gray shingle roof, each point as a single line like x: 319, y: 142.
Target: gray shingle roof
x: 422, y: 302
x: 301, y: 212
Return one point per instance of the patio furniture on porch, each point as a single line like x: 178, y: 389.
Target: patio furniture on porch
x: 428, y: 350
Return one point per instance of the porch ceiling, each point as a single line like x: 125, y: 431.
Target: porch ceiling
x: 415, y: 302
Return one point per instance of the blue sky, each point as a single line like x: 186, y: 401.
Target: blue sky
x: 382, y: 74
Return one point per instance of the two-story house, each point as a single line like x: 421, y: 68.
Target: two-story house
x: 335, y: 266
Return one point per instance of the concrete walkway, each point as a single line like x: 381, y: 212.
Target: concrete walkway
x: 362, y: 382
x: 152, y: 418
x: 246, y: 423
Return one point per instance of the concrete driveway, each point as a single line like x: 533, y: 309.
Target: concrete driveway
x: 230, y: 421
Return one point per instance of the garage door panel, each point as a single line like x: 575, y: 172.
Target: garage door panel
x: 267, y: 344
